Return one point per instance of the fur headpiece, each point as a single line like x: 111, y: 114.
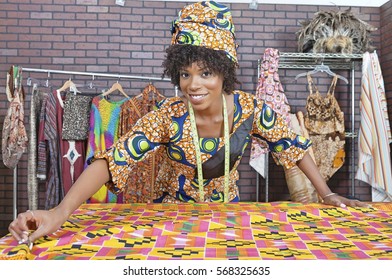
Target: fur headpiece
x: 335, y: 32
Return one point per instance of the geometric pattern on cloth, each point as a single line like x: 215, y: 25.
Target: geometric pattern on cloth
x: 245, y: 230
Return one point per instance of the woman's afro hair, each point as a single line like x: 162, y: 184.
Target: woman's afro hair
x: 178, y: 57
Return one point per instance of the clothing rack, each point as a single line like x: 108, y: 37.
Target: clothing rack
x: 92, y: 74
x: 335, y: 61
x: 98, y: 74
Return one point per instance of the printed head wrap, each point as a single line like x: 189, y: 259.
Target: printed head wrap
x: 207, y: 24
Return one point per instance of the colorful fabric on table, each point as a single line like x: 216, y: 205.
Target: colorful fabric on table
x: 234, y: 231
x: 208, y: 24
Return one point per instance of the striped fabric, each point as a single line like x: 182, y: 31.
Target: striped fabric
x: 374, y: 166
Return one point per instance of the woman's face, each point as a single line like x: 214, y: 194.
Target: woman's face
x: 201, y: 87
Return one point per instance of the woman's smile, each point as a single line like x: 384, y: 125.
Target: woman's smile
x: 197, y: 97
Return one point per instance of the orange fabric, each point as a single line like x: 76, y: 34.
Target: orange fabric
x: 140, y: 185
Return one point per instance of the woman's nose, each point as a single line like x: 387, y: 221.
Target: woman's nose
x: 194, y: 83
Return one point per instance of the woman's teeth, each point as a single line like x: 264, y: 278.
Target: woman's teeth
x: 197, y: 96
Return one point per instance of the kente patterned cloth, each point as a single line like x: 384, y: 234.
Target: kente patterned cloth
x: 208, y: 24
x: 169, y: 126
x: 215, y: 231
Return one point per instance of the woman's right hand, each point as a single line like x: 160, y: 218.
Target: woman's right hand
x: 31, y: 225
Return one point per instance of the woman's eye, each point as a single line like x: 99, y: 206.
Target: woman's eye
x: 207, y: 73
x: 184, y: 75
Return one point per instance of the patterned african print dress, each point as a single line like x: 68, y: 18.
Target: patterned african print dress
x: 177, y: 178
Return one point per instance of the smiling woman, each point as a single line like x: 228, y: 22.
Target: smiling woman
x: 204, y: 132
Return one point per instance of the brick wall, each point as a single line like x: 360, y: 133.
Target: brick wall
x: 386, y: 46
x: 99, y: 36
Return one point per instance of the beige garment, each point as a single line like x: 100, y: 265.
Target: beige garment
x: 300, y: 188
x: 325, y: 122
x: 14, y: 136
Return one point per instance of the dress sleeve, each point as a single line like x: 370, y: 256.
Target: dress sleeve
x: 148, y: 133
x: 286, y: 147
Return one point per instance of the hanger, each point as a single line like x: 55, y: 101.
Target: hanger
x: 69, y: 84
x: 91, y: 83
x: 34, y: 82
x: 150, y: 88
x: 115, y: 87
x: 321, y: 68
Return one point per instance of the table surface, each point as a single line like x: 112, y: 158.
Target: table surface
x: 277, y: 230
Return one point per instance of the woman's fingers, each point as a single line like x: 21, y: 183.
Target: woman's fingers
x: 19, y: 228
x: 343, y: 202
x: 357, y: 203
x: 15, y: 232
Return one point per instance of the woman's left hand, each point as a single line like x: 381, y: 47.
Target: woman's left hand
x: 340, y: 201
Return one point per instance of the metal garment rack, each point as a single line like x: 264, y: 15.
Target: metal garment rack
x: 334, y: 61
x: 92, y: 74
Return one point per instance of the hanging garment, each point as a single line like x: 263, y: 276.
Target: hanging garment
x: 325, y: 122
x: 76, y: 119
x: 50, y: 150
x: 37, y: 98
x: 140, y: 184
x: 43, y: 150
x: 300, y: 187
x: 103, y: 132
x: 271, y: 91
x: 66, y: 158
x: 374, y: 164
x: 14, y: 136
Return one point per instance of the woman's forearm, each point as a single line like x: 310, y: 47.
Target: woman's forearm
x: 88, y: 183
x: 309, y: 168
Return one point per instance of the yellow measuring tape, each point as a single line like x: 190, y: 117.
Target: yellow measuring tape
x: 198, y: 153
